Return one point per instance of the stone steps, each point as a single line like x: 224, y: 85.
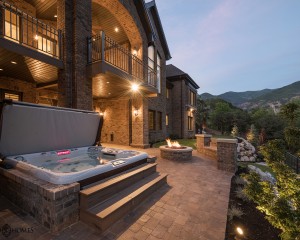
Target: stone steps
x: 105, y: 203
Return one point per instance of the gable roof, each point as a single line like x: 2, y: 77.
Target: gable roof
x: 152, y: 9
x: 173, y: 73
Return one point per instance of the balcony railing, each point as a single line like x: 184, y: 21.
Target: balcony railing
x: 24, y: 29
x: 103, y: 48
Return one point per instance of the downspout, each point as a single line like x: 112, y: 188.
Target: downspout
x: 182, y: 117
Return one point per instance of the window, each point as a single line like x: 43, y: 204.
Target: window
x: 9, y: 94
x: 151, y: 120
x: 159, y: 116
x: 190, y: 123
x: 167, y: 120
x: 12, y: 25
x: 168, y: 92
x: 151, y: 65
x: 192, y: 98
x: 158, y: 73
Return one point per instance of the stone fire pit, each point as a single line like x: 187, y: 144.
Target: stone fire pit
x: 173, y: 151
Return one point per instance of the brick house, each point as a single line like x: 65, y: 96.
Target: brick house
x: 181, y: 94
x: 103, y: 55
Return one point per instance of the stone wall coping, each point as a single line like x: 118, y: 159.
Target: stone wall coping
x: 187, y: 149
x: 203, y: 135
x: 226, y: 140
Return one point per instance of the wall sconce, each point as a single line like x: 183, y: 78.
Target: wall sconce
x: 134, y: 52
x: 101, y: 114
x: 136, y: 112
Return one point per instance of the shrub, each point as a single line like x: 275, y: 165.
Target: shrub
x: 280, y: 201
x: 234, y: 212
x: 239, y: 192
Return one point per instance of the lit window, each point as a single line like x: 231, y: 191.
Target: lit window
x: 167, y: 120
x: 12, y: 25
x: 9, y: 94
x: 168, y: 92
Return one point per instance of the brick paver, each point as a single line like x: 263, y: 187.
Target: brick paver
x: 192, y: 206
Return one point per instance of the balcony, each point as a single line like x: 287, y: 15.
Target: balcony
x: 26, y: 35
x: 103, y: 49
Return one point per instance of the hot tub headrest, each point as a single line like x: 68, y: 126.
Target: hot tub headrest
x: 32, y: 128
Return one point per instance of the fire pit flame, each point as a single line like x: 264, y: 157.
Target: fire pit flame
x: 173, y: 144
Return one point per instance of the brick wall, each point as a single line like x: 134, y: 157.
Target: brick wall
x: 54, y: 206
x: 27, y: 89
x: 116, y: 120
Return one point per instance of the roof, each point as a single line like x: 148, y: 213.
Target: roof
x: 152, y: 9
x: 174, y: 73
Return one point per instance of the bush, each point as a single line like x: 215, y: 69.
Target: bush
x: 234, y: 212
x: 281, y: 201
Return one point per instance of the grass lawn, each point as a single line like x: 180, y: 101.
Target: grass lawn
x: 184, y: 142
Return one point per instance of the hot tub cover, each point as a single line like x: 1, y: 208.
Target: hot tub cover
x: 31, y: 128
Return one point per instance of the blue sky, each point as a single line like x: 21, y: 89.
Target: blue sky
x: 234, y: 45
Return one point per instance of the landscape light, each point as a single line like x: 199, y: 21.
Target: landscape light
x: 240, y: 231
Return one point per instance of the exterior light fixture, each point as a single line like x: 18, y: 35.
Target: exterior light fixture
x: 109, y: 93
x: 13, y: 62
x: 55, y: 16
x: 101, y: 113
x: 116, y: 29
x: 240, y: 231
x: 107, y: 82
x: 36, y: 37
x: 136, y: 112
x: 134, y: 87
x: 134, y: 52
x: 1, y: 69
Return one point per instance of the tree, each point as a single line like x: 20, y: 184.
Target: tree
x: 290, y: 112
x: 235, y: 131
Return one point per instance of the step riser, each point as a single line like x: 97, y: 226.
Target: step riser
x: 131, y: 205
x: 100, y: 196
x: 103, y: 224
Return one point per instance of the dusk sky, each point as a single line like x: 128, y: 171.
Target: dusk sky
x: 234, y: 45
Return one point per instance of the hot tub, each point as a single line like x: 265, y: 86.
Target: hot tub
x: 75, y: 164
x: 30, y: 135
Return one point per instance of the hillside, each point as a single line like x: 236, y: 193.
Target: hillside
x: 272, y: 98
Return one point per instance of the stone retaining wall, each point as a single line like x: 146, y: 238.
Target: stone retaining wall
x: 54, y: 206
x: 222, y: 150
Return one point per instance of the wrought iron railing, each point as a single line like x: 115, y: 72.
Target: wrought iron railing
x: 292, y: 161
x: 24, y: 29
x: 103, y: 48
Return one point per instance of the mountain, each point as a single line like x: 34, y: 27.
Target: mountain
x: 272, y: 98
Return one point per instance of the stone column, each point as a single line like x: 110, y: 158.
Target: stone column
x: 74, y: 19
x: 202, y: 141
x: 140, y: 129
x: 65, y: 75
x: 82, y: 89
x: 227, y: 154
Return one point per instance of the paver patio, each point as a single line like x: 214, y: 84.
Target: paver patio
x: 192, y: 206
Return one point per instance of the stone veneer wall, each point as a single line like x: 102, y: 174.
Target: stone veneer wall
x: 54, y: 206
x: 222, y: 150
x: 27, y: 89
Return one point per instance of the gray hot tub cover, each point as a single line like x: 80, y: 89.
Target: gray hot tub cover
x: 31, y: 128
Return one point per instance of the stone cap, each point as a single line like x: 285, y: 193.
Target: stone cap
x: 203, y: 135
x: 185, y: 149
x: 226, y: 140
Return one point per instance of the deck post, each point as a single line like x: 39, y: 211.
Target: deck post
x: 2, y: 20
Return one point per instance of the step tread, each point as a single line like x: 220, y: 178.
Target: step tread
x: 94, y: 189
x: 104, y: 209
